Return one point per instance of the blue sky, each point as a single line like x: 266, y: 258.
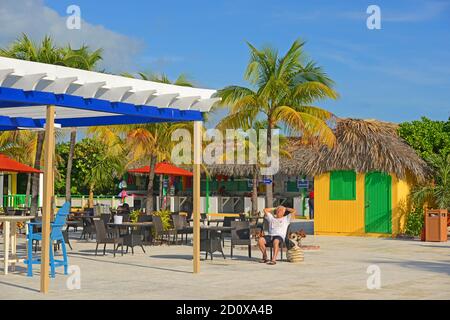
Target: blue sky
x: 398, y: 73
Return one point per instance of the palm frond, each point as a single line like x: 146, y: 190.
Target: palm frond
x: 306, y: 124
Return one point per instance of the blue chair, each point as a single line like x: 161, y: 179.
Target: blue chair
x: 56, y: 234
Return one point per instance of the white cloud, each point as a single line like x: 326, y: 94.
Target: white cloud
x: 37, y: 20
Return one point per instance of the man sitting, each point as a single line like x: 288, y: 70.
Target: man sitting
x: 278, y: 226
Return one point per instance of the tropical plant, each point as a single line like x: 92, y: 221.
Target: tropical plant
x: 426, y: 136
x: 181, y: 80
x: 414, y: 222
x: 26, y: 49
x: 284, y: 89
x: 100, y: 175
x: 437, y: 193
x: 165, y: 218
x: 134, y: 215
x: 88, y: 155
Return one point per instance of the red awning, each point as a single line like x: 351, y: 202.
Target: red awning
x: 163, y: 168
x: 10, y: 165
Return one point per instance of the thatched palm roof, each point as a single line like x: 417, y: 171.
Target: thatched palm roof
x: 361, y: 145
x: 234, y: 170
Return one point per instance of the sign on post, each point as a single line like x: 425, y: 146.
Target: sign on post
x: 302, y: 184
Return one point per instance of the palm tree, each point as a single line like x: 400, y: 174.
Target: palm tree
x: 110, y: 166
x: 25, y: 49
x: 181, y: 80
x: 47, y: 52
x: 248, y: 147
x: 149, y: 141
x: 85, y: 59
x: 283, y: 91
x: 436, y: 194
x: 140, y: 143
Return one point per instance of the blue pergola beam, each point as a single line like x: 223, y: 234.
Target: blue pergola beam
x: 10, y: 97
x: 7, y: 123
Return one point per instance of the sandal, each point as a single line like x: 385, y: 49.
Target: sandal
x: 272, y: 263
x: 263, y: 260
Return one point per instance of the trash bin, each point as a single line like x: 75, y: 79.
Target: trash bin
x: 436, y: 225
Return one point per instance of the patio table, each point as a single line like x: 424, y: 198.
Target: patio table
x: 131, y: 224
x: 192, y: 220
x: 10, y: 239
x: 216, y: 221
x: 21, y: 211
x: 213, y: 242
x: 131, y: 239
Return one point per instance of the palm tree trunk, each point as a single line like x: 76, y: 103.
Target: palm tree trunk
x: 91, y: 197
x: 161, y: 185
x: 35, y: 178
x: 269, y: 187
x: 255, y: 192
x: 27, y: 195
x: 151, y: 177
x: 73, y: 138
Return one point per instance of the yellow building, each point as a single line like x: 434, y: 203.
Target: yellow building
x: 361, y: 184
x: 375, y: 205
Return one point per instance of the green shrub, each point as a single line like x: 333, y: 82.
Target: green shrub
x: 165, y: 218
x: 414, y: 222
x: 135, y: 215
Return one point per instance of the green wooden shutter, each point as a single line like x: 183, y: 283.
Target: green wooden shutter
x: 343, y: 185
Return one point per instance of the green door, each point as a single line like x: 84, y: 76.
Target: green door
x: 378, y: 203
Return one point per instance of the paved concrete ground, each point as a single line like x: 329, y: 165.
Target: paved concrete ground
x: 409, y: 270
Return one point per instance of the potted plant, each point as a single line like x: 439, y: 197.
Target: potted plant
x: 435, y: 194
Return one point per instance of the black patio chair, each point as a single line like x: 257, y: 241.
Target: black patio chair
x: 226, y: 223
x: 240, y: 235
x: 146, y: 232
x: 133, y: 239
x: 210, y: 242
x: 88, y: 228
x: 181, y: 227
x: 106, y: 218
x: 103, y: 238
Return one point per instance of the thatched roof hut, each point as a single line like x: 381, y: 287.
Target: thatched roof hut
x: 361, y: 145
x: 232, y: 170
